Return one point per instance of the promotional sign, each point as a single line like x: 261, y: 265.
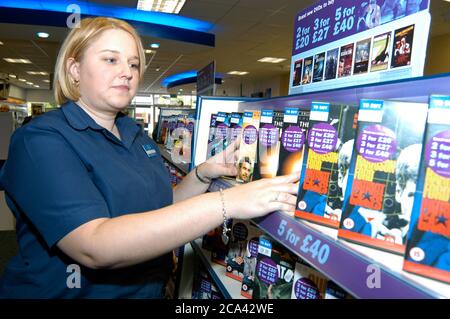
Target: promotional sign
x: 340, y: 43
x: 206, y: 80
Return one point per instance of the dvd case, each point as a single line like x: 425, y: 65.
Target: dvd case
x: 327, y: 157
x: 251, y: 254
x: 274, y: 271
x: 308, y: 283
x: 362, y: 55
x: 203, y: 286
x: 241, y: 232
x: 235, y: 129
x: 336, y: 292
x: 219, y: 127
x: 307, y: 70
x: 383, y: 174
x: 331, y: 64
x: 428, y: 247
x: 248, y: 146
x: 346, y: 60
x: 219, y: 248
x: 402, y: 48
x: 381, y: 52
x: 211, y: 135
x: 297, y: 78
x: 269, y: 134
x: 319, y: 67
x: 295, y: 127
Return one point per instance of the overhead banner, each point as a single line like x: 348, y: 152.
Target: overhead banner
x: 206, y: 80
x: 341, y: 43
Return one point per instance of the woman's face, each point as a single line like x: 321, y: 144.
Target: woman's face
x: 109, y: 71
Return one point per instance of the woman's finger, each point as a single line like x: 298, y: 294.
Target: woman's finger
x: 291, y: 178
x: 227, y: 170
x: 285, y: 188
x: 276, y: 206
x: 282, y: 198
x: 287, y: 199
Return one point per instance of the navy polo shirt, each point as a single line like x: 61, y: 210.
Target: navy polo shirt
x: 65, y: 170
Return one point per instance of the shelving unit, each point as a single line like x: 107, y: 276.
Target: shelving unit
x: 183, y: 280
x: 230, y: 288
x: 183, y: 167
x: 362, y: 271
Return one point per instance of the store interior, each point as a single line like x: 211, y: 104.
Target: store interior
x: 244, y: 32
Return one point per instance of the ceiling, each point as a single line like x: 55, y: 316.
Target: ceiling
x: 245, y: 30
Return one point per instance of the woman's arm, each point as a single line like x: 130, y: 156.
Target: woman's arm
x: 191, y: 185
x: 223, y: 164
x: 134, y: 238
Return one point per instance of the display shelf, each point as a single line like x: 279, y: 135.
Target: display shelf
x: 230, y: 288
x: 362, y: 271
x: 183, y: 167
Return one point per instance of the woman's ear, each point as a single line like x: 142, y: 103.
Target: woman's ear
x: 73, y: 68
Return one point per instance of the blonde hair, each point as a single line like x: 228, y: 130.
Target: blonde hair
x: 76, y: 44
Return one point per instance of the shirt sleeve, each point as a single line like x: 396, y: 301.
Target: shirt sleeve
x: 49, y: 183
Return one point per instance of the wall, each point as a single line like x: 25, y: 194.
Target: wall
x: 232, y: 86
x: 6, y: 129
x: 17, y: 92
x: 260, y: 85
x: 438, y: 55
x: 284, y: 84
x: 40, y: 96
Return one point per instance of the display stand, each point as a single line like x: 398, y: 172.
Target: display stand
x: 230, y: 288
x: 182, y: 167
x: 363, y: 272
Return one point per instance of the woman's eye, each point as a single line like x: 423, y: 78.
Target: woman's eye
x: 110, y: 60
x: 134, y: 65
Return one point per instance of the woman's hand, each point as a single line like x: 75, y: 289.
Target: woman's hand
x: 221, y: 164
x: 261, y: 197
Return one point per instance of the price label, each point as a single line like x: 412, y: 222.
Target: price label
x: 307, y: 246
x: 345, y: 20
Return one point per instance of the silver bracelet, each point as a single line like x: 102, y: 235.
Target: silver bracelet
x: 225, y: 229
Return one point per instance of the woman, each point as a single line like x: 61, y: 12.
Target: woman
x: 89, y: 189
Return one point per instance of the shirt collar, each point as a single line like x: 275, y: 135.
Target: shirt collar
x: 80, y: 120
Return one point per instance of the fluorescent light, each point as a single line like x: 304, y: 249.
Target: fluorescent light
x: 148, y: 51
x: 12, y: 76
x: 22, y: 80
x: 43, y: 35
x: 154, y: 45
x: 30, y: 83
x: 1, y: 43
x: 11, y: 60
x: 37, y: 73
x: 36, y: 86
x: 46, y: 81
x: 238, y: 72
x: 271, y: 60
x: 167, y: 6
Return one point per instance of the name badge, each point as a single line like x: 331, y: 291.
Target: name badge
x: 149, y: 150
